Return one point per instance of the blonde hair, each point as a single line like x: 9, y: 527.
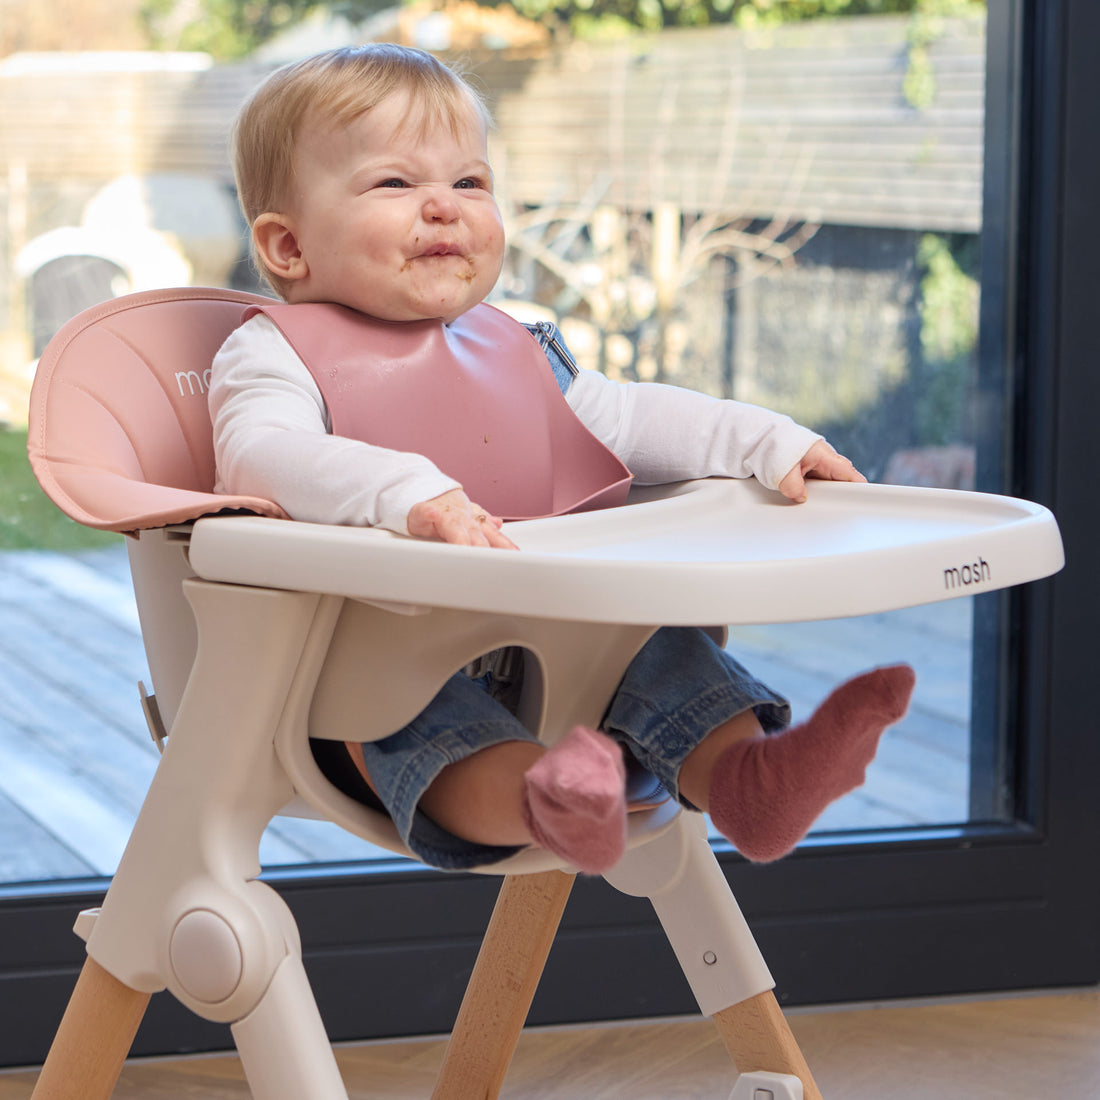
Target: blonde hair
x: 335, y: 87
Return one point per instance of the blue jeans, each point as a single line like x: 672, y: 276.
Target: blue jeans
x: 678, y: 688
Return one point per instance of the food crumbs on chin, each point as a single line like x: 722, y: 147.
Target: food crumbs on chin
x: 486, y: 439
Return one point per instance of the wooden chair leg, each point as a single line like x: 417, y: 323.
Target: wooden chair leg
x: 757, y: 1036
x: 502, y: 985
x: 95, y: 1036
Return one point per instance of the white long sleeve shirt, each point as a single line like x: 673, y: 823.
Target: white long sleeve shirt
x: 272, y: 437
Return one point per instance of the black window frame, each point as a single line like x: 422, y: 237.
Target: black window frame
x: 992, y: 906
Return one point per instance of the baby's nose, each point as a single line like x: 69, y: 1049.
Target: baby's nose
x: 440, y: 204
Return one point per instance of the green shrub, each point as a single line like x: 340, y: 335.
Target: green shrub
x: 28, y: 518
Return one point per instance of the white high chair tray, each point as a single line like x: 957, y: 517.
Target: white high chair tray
x: 702, y: 552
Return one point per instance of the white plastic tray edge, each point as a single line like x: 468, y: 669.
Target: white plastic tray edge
x: 696, y: 553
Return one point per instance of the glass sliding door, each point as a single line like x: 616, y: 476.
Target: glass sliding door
x: 792, y: 218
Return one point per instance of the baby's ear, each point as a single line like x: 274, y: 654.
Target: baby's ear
x: 276, y: 243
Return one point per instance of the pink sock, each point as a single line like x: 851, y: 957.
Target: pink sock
x: 574, y: 800
x: 766, y: 792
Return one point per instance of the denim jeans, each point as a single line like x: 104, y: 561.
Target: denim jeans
x: 678, y: 688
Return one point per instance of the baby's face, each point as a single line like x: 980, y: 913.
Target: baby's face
x: 394, y: 220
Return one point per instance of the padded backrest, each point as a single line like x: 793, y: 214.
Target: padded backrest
x: 119, y: 433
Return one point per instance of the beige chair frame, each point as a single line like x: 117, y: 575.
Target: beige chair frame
x: 261, y: 633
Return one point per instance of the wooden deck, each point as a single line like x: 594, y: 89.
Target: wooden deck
x: 75, y: 757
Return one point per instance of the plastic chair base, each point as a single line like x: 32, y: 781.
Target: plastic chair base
x: 767, y: 1086
x: 103, y: 1016
x: 282, y: 1043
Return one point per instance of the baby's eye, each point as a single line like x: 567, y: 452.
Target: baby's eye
x: 395, y: 182
x: 470, y: 183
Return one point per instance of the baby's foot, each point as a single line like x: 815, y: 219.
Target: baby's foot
x: 766, y: 792
x: 574, y: 800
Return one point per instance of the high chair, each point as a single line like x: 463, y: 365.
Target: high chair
x: 262, y: 633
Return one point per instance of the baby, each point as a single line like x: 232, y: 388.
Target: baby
x: 385, y: 392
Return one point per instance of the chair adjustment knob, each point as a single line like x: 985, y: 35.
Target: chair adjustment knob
x: 206, y: 956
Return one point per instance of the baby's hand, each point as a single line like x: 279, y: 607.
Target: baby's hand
x: 453, y: 517
x: 821, y: 462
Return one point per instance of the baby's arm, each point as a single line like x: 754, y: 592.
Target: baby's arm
x: 667, y: 433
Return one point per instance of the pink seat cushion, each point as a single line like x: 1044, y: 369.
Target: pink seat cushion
x: 119, y: 435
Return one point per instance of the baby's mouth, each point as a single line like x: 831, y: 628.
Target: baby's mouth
x: 441, y: 250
